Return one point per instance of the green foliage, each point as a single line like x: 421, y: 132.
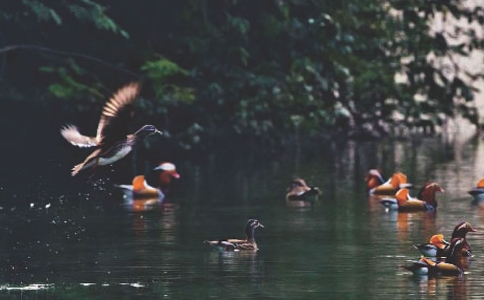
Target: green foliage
x: 69, y: 87
x: 268, y: 68
x: 92, y: 12
x: 59, y: 12
x: 161, y: 72
x: 162, y: 68
x: 42, y: 12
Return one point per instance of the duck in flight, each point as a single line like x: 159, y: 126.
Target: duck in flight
x: 112, y: 140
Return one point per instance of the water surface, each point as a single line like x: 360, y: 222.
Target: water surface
x: 72, y: 238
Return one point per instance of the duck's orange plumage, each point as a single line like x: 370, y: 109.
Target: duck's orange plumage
x: 390, y: 187
x: 435, y: 247
x: 438, y: 240
x: 478, y: 192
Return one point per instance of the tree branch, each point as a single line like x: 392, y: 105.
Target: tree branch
x: 59, y: 52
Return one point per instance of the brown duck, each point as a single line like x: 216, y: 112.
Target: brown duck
x: 248, y: 244
x: 404, y: 202
x: 300, y: 194
x: 450, y: 267
x: 112, y: 139
x: 460, y: 231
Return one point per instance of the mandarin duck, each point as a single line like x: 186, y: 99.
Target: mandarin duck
x: 435, y: 247
x: 299, y: 194
x: 404, y: 202
x: 478, y: 192
x: 141, y: 196
x: 377, y: 186
x: 112, y: 139
x: 460, y: 231
x: 141, y: 189
x: 248, y: 244
x: 450, y: 267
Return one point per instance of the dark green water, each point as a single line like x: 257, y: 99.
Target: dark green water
x: 67, y: 238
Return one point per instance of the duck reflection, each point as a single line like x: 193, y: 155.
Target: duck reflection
x: 424, y: 220
x: 448, y: 287
x: 238, y: 266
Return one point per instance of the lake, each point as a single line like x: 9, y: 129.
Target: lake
x: 66, y: 237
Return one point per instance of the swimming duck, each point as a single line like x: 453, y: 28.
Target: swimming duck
x: 449, y: 267
x: 478, y: 192
x: 141, y: 189
x: 404, y: 202
x: 299, y: 194
x: 377, y: 186
x: 435, y: 247
x: 460, y: 231
x: 112, y: 139
x: 237, y: 244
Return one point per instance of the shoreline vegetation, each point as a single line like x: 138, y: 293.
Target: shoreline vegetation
x: 260, y: 72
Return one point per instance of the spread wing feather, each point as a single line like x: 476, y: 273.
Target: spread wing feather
x: 113, y: 125
x: 73, y: 136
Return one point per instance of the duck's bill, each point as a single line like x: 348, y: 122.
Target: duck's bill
x: 261, y: 225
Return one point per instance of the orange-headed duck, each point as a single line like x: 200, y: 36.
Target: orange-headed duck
x: 112, y: 139
x: 377, y: 186
x: 404, y: 202
x: 141, y: 189
x: 478, y: 192
x: 299, y: 194
x: 248, y: 244
x: 435, y: 247
x: 450, y: 267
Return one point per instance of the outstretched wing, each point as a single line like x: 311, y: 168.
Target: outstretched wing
x: 113, y: 125
x: 73, y: 136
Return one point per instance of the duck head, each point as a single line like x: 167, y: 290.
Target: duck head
x: 146, y: 131
x: 297, y: 185
x: 168, y: 171
x: 427, y: 192
x: 251, y: 225
x: 461, y: 230
x: 374, y: 179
